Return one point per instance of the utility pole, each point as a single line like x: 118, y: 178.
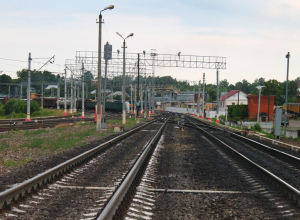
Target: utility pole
x: 58, y: 94
x: 107, y: 56
x: 99, y: 77
x: 82, y: 93
x: 28, y: 88
x: 71, y: 104
x: 286, y: 92
x: 217, y: 120
x: 141, y: 100
x: 203, y: 95
x: 138, y: 81
x: 187, y: 101
x: 42, y: 100
x: 194, y: 101
x: 123, y: 88
x: 65, y: 103
x: 198, y: 100
x: 131, y: 99
x: 135, y: 96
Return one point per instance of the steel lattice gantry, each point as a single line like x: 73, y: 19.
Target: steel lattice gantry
x: 151, y: 60
x: 154, y: 59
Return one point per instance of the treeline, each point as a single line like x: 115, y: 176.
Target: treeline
x: 272, y: 86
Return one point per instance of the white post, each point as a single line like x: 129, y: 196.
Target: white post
x: 28, y: 88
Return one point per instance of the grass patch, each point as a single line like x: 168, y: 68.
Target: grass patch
x: 12, y: 163
x: 35, y: 143
x: 42, y: 113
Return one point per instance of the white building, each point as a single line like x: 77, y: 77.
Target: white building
x: 234, y: 97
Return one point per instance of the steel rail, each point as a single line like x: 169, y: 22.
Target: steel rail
x: 284, y: 186
x: 290, y: 157
x: 42, y: 179
x: 114, y: 203
x: 41, y: 124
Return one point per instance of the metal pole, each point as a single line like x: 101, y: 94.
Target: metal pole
x: 142, y: 106
x: 269, y: 106
x: 149, y: 100
x: 42, y: 100
x: 99, y: 77
x: 28, y: 88
x: 258, y: 106
x: 194, y: 101
x: 145, y: 95
x: 226, y: 105
x: 123, y: 89
x: 187, y: 101
x: 65, y: 102
x: 58, y: 95
x: 131, y: 99
x: 286, y: 92
x: 75, y: 97
x: 218, y: 105
x: 82, y: 93
x: 198, y: 100
x: 71, y: 104
x: 104, y: 94
x: 135, y: 96
x: 138, y: 81
x: 203, y: 95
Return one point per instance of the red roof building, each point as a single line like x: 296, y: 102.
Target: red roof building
x: 234, y: 97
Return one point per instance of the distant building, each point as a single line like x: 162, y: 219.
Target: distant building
x: 266, y: 107
x: 234, y: 97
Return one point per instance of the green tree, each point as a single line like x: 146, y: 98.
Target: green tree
x: 4, y: 79
x: 273, y: 87
x: 260, y: 81
x: 224, y: 83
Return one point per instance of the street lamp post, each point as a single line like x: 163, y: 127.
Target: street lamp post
x: 286, y: 92
x: 259, y: 88
x: 123, y: 89
x: 99, y: 70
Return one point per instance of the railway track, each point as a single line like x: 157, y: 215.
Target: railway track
x: 161, y: 172
x: 111, y: 166
x: 46, y: 122
x: 280, y: 168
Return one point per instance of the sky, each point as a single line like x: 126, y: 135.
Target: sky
x: 254, y: 36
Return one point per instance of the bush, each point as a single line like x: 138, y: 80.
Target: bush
x: 257, y: 127
x: 16, y: 115
x: 237, y: 111
x: 2, y: 111
x: 19, y: 106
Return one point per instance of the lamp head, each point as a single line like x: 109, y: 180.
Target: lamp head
x: 144, y: 52
x: 109, y: 7
x: 130, y: 35
x: 179, y: 54
x: 118, y: 51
